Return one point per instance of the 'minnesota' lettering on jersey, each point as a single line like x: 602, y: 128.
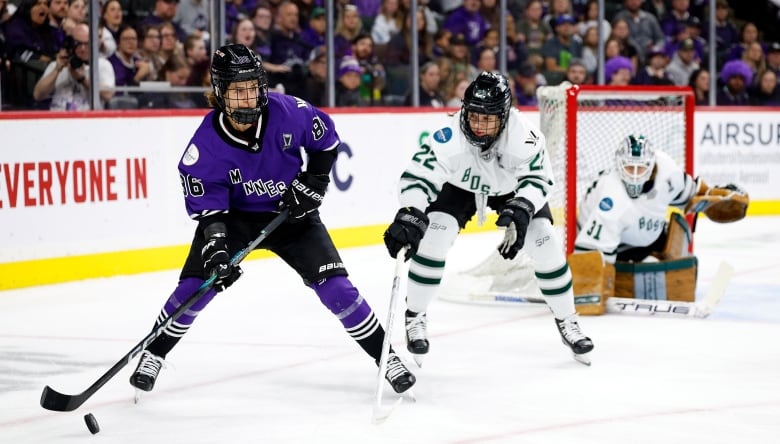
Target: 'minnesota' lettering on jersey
x: 230, y: 175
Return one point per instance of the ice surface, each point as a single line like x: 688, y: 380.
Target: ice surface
x: 267, y: 363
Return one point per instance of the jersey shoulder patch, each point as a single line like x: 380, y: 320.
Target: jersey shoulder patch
x: 191, y: 155
x: 606, y: 204
x: 443, y: 135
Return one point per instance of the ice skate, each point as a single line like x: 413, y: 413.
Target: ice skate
x: 145, y: 374
x: 399, y: 377
x: 571, y: 335
x: 417, y: 335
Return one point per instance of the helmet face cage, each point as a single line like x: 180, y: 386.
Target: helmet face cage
x: 489, y: 94
x: 635, y: 159
x: 232, y: 64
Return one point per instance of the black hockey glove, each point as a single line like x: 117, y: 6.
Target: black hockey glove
x: 216, y: 259
x: 305, y: 194
x: 407, y: 229
x: 515, y: 215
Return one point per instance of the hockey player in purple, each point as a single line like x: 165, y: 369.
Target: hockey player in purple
x: 241, y: 167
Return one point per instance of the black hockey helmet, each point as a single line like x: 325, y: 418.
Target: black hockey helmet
x: 237, y: 63
x: 488, y: 94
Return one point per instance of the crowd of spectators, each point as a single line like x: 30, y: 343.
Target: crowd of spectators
x: 44, y: 48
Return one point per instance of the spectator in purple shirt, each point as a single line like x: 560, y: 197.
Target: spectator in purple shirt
x: 675, y: 17
x: 468, y: 21
x: 726, y: 33
x: 262, y: 20
x: 349, y: 26
x: 314, y: 32
x: 129, y: 68
x: 288, y: 49
x: 367, y: 9
x: 58, y: 11
x: 28, y: 34
x: 748, y: 34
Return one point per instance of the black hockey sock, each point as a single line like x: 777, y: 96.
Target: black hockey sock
x: 162, y: 345
x: 373, y: 343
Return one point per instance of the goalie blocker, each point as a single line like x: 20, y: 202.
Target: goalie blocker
x: 673, y: 278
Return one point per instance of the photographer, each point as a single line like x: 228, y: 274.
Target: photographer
x: 66, y: 80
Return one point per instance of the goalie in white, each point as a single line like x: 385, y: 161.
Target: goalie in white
x: 623, y: 214
x: 487, y: 155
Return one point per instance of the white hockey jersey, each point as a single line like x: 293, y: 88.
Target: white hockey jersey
x: 516, y: 164
x: 610, y: 221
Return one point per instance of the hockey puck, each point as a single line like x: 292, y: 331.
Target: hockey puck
x: 92, y: 423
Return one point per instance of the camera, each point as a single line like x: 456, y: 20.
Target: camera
x: 70, y: 45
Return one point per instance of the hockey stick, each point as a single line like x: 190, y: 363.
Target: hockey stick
x: 700, y: 309
x: 493, y: 297
x: 59, y: 402
x: 377, y: 416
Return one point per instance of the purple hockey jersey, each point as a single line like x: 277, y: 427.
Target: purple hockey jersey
x: 220, y: 172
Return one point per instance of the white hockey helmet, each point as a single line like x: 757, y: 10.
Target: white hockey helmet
x: 635, y: 161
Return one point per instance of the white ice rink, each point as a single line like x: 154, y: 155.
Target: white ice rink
x: 266, y: 363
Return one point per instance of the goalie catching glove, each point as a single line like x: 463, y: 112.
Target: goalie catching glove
x: 726, y: 203
x: 216, y: 259
x: 407, y: 229
x: 515, y: 215
x: 305, y: 195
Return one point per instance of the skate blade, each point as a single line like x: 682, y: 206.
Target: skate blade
x: 137, y: 396
x: 582, y: 359
x: 418, y: 359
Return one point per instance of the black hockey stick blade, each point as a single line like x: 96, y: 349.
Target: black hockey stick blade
x: 59, y: 402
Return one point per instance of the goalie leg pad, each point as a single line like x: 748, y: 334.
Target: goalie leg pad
x: 594, y: 282
x: 426, y: 268
x: 667, y: 280
x: 678, y: 239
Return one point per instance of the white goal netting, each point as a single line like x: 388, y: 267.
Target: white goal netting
x: 583, y: 126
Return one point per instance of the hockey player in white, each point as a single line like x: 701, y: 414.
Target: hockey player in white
x: 487, y: 155
x: 623, y: 214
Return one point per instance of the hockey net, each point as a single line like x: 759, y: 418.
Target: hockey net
x: 583, y: 126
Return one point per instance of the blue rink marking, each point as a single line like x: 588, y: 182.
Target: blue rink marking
x: 751, y: 302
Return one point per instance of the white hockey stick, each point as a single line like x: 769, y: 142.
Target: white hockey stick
x: 379, y: 415
x: 700, y: 309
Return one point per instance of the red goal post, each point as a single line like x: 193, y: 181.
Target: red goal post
x: 583, y: 125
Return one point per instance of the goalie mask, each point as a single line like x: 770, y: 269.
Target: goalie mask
x: 485, y: 111
x: 635, y: 160
x: 240, y: 83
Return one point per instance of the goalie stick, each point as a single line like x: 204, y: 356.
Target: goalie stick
x: 377, y: 415
x: 700, y: 309
x: 59, y: 402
